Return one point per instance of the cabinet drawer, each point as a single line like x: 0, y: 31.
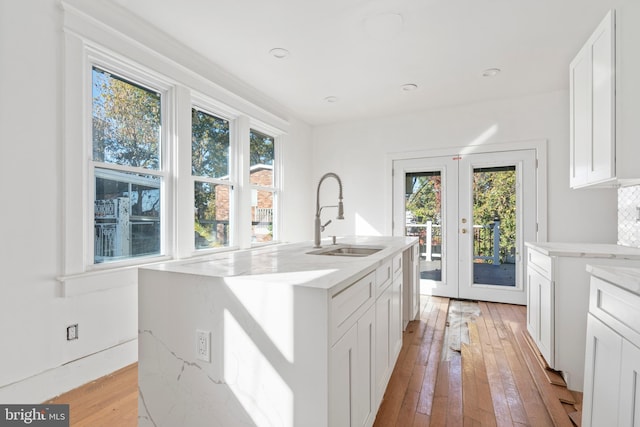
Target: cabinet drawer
x: 540, y: 262
x: 383, y: 276
x: 349, y: 303
x: 617, y: 307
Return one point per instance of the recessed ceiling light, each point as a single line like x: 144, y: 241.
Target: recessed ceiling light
x: 331, y: 99
x: 279, y: 52
x: 491, y: 72
x: 409, y: 87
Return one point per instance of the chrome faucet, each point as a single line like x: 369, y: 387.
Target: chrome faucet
x: 318, y: 226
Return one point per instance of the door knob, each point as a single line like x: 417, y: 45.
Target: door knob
x: 463, y: 231
x: 463, y: 220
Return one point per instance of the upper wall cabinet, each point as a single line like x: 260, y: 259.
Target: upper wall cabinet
x: 604, y: 98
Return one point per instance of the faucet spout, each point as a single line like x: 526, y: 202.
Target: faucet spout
x: 318, y: 227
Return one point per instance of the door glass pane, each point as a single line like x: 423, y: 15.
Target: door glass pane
x: 423, y: 213
x: 494, y: 225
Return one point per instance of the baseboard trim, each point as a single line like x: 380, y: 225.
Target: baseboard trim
x: 53, y: 382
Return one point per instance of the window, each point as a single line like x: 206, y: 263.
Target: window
x: 213, y: 190
x: 263, y: 186
x: 127, y: 172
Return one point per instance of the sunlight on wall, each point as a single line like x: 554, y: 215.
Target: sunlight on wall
x: 363, y: 228
x: 481, y: 139
x: 257, y: 385
x: 272, y: 308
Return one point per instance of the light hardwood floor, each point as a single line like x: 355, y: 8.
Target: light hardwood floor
x: 494, y: 380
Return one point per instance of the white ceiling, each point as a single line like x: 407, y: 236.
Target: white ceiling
x: 336, y: 48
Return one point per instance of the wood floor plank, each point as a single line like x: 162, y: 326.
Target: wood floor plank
x: 534, y: 407
x: 516, y: 406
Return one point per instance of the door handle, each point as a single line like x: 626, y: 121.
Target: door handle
x: 463, y: 230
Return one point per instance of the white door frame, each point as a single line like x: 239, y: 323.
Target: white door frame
x: 540, y: 147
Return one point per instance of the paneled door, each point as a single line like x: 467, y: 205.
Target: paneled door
x: 472, y: 214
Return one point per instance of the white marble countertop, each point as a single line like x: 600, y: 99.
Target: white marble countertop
x: 625, y: 277
x: 290, y: 264
x: 586, y: 250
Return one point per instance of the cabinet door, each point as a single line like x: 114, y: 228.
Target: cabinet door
x: 629, y: 407
x: 383, y: 344
x: 580, y: 118
x: 540, y: 313
x: 602, y: 160
x: 592, y: 108
x: 601, y: 375
x: 395, y: 327
x: 366, y: 404
x: 343, y: 378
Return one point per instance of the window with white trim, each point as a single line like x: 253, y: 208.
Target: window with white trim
x: 127, y: 166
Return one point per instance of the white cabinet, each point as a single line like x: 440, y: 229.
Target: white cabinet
x: 367, y: 336
x: 602, y: 375
x: 612, y: 369
x: 411, y: 284
x: 540, y: 310
x: 592, y: 108
x: 388, y: 323
x: 558, y: 300
x: 604, y: 101
x: 352, y: 392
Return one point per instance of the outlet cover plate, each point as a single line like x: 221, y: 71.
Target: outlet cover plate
x: 203, y: 345
x: 72, y: 332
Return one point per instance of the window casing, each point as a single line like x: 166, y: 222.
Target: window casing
x: 165, y: 191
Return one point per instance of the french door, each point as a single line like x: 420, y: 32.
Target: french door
x: 472, y: 214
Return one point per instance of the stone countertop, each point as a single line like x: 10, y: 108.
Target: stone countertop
x: 625, y: 277
x: 290, y: 264
x: 585, y: 250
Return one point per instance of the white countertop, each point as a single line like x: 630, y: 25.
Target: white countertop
x: 586, y: 250
x: 290, y: 264
x: 624, y: 277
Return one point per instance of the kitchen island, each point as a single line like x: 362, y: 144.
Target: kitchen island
x: 275, y: 336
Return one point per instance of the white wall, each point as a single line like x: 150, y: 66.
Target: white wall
x: 36, y: 361
x: 358, y: 153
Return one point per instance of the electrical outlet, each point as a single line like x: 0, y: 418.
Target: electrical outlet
x: 72, y: 332
x: 203, y: 345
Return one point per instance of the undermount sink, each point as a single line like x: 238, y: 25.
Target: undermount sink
x: 347, y: 250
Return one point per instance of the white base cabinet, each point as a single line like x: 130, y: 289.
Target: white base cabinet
x: 352, y: 391
x: 558, y: 300
x: 612, y: 368
x: 364, y: 356
x: 411, y: 285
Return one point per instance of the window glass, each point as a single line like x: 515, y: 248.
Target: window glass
x: 127, y: 215
x: 262, y: 216
x: 211, y: 215
x: 262, y: 153
x: 126, y: 122
x: 209, y: 145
